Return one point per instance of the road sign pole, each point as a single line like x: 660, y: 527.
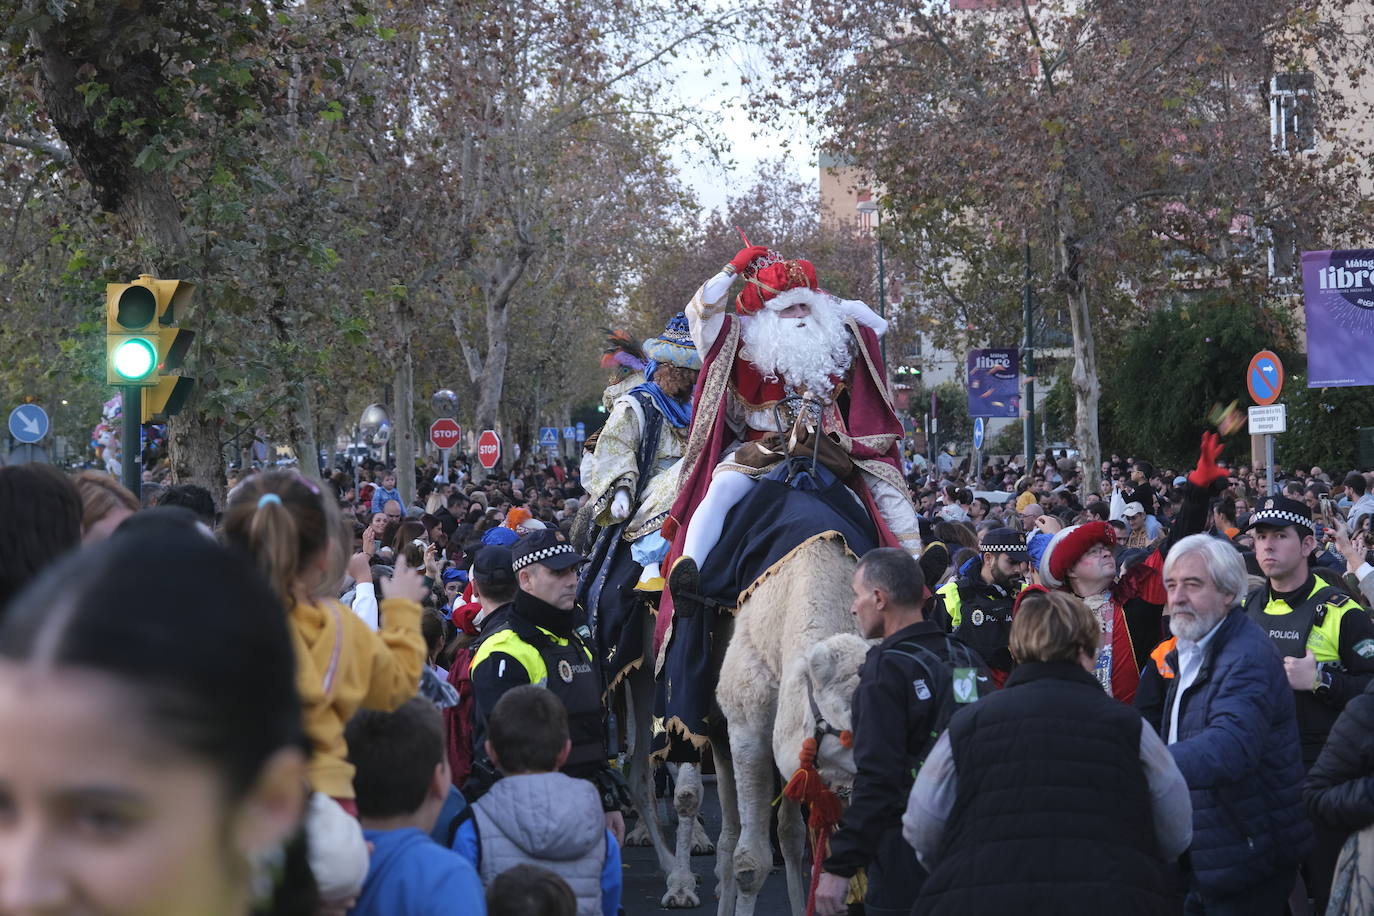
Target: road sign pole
x: 131, y: 440
x: 1269, y: 463
x: 445, y: 451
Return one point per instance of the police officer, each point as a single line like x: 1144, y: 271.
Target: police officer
x: 977, y: 607
x: 909, y: 686
x: 540, y: 642
x: 1325, y: 637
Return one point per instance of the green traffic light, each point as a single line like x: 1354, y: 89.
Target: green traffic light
x: 134, y: 359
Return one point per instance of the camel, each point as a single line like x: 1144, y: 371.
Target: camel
x: 779, y: 622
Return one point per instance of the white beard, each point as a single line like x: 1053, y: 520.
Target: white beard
x: 805, y: 352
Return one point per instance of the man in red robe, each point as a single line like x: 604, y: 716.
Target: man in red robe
x: 787, y: 337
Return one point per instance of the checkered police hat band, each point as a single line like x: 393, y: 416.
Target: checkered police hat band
x: 1280, y: 515
x: 540, y: 556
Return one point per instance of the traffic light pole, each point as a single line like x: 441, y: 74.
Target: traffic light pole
x: 131, y: 463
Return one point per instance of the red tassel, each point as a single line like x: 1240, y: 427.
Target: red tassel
x: 807, y: 788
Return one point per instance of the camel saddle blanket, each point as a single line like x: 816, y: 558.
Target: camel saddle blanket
x: 761, y: 531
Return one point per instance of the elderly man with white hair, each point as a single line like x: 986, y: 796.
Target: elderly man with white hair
x: 1218, y: 694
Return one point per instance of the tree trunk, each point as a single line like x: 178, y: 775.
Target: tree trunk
x: 195, y: 454
x: 403, y: 421
x: 490, y: 381
x: 302, y: 427
x: 1087, y: 389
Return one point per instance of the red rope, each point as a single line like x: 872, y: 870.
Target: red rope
x: 807, y: 788
x: 819, y: 845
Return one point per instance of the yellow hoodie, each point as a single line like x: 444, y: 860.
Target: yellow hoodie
x: 342, y: 665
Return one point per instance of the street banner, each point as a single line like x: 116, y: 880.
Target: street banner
x: 1338, y: 296
x: 994, y: 383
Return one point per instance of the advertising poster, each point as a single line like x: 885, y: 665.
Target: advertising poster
x: 1338, y: 297
x: 994, y: 383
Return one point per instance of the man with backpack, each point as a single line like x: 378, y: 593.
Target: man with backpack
x: 910, y: 685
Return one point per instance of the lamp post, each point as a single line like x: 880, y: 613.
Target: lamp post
x: 1028, y: 366
x: 371, y: 423
x: 870, y: 206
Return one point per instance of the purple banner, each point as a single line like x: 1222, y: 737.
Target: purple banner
x: 994, y: 384
x: 1338, y: 295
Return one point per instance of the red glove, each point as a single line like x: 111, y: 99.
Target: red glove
x: 1207, y: 473
x: 747, y: 256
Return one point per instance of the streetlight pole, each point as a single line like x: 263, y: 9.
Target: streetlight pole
x: 882, y: 288
x: 870, y: 206
x: 1028, y: 367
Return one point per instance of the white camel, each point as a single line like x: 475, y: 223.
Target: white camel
x: 779, y: 622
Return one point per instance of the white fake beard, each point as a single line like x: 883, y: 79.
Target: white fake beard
x: 805, y: 352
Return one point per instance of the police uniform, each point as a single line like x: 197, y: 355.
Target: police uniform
x: 1318, y: 618
x: 979, y: 612
x: 1327, y: 622
x: 546, y: 646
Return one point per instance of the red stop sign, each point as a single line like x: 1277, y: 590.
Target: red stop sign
x: 444, y: 433
x: 489, y: 448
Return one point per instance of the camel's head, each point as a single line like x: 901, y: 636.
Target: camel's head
x: 832, y: 669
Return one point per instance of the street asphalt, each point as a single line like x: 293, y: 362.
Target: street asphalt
x: 644, y: 883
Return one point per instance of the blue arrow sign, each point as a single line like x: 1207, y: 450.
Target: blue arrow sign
x: 28, y: 423
x: 548, y: 436
x: 1265, y: 378
x: 979, y: 426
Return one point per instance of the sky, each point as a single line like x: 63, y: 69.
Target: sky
x: 712, y: 88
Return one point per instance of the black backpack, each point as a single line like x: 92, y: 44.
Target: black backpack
x: 953, y: 683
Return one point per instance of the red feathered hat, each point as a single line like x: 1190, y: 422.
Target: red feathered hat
x: 777, y: 286
x: 1067, y: 548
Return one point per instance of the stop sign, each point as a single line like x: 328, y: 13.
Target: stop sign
x: 444, y: 433
x: 489, y: 448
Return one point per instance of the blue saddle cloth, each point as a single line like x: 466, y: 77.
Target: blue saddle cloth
x: 785, y: 508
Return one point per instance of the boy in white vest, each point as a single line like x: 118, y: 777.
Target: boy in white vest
x: 536, y: 815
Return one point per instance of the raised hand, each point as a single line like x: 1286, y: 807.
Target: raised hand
x: 1207, y: 472
x: 747, y: 256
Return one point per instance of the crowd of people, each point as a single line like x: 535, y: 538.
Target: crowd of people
x: 1236, y: 622
x: 418, y: 724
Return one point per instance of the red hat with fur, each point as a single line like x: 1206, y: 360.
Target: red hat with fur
x: 1068, y: 547
x: 777, y: 285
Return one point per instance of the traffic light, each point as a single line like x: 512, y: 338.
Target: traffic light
x: 131, y: 332
x: 143, y: 345
x: 169, y: 394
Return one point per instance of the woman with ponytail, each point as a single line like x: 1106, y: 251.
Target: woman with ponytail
x: 280, y: 520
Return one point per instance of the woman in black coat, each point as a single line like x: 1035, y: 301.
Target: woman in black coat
x: 1340, y: 794
x: 1048, y: 796
x: 1340, y: 785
